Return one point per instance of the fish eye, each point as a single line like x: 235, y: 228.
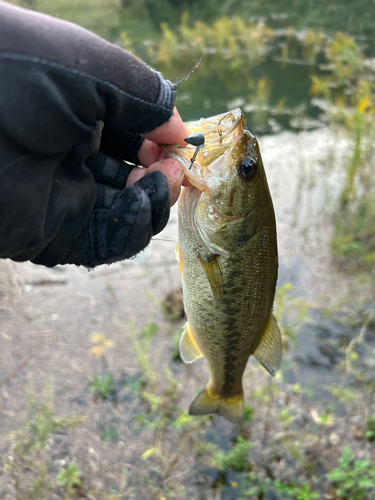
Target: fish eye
x: 248, y: 168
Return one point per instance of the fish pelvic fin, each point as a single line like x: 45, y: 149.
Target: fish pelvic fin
x: 269, y: 350
x: 189, y: 350
x: 208, y: 401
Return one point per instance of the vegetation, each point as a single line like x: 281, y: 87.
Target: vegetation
x: 168, y: 435
x: 70, y: 479
x: 341, y: 84
x: 370, y: 434
x: 354, y: 479
x: 29, y: 462
x: 103, y: 386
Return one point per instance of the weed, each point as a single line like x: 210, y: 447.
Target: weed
x: 183, y: 421
x: 103, y: 386
x: 291, y: 313
x: 370, y: 434
x: 345, y: 394
x: 142, y: 346
x: 260, y: 97
x: 70, y: 479
x: 351, y: 354
x: 236, y: 458
x: 286, y: 415
x: 100, y: 347
x: 350, y: 92
x: 109, y: 435
x: 28, y: 461
x: 175, y: 345
x: 295, y: 491
x: 149, y: 332
x: 173, y: 306
x: 145, y: 422
x: 354, y: 479
x: 248, y: 414
x: 227, y: 36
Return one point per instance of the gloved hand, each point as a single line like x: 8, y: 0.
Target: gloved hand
x: 124, y: 219
x: 72, y: 108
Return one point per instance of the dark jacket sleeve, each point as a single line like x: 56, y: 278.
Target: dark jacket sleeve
x: 63, y: 92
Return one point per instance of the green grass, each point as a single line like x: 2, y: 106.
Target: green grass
x: 28, y: 461
x: 104, y: 385
x: 70, y: 479
x: 353, y: 479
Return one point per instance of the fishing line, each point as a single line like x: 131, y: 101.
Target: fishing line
x: 161, y: 239
x: 184, y: 78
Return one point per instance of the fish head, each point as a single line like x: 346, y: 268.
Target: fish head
x: 228, y: 182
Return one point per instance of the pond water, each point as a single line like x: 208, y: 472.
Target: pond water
x: 226, y: 79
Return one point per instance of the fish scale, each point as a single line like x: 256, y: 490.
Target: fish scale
x: 228, y: 260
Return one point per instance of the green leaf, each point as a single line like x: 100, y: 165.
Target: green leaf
x: 149, y: 453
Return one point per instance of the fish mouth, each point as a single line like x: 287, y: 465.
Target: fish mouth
x: 218, y: 129
x: 222, y: 132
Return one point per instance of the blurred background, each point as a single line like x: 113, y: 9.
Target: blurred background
x: 94, y: 396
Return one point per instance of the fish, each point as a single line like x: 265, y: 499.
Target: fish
x: 227, y: 250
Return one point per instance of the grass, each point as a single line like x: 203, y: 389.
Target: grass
x: 28, y: 462
x: 103, y: 386
x: 353, y: 479
x: 70, y: 479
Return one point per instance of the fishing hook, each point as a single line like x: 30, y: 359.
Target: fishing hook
x: 197, y: 139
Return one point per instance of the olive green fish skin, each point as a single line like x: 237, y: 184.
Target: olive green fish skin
x: 229, y: 334
x: 228, y: 260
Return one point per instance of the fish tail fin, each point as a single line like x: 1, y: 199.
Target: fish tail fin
x: 208, y: 401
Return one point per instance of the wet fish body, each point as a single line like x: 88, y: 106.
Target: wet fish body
x: 228, y: 259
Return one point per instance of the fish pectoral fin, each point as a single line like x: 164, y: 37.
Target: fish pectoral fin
x: 189, y: 350
x: 208, y: 401
x: 177, y: 252
x: 179, y: 260
x: 214, y: 275
x: 269, y: 350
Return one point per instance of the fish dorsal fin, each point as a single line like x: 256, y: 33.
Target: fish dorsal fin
x: 189, y: 349
x: 211, y: 267
x: 269, y: 350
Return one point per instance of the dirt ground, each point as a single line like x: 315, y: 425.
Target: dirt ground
x: 48, y: 316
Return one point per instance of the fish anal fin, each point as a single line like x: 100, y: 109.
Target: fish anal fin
x: 208, y: 401
x: 189, y: 349
x: 269, y: 350
x: 214, y: 275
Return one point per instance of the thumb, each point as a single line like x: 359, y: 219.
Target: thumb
x: 173, y: 131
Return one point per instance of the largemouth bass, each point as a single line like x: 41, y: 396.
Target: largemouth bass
x: 228, y: 259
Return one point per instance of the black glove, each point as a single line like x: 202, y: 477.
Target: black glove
x: 123, y: 220
x: 70, y: 101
